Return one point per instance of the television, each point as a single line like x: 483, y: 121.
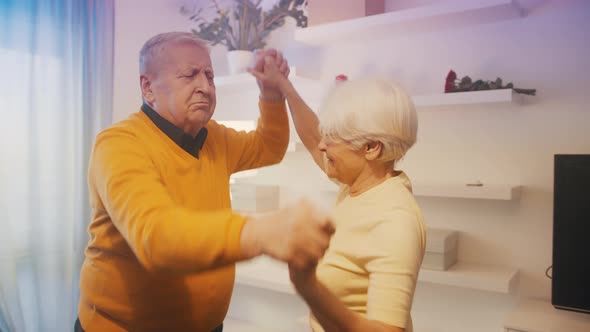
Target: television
x: 570, y: 284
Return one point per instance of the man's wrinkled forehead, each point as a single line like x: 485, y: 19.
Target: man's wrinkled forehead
x: 180, y: 56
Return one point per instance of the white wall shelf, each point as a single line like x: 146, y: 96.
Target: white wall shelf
x: 246, y: 83
x: 541, y: 316
x: 265, y: 273
x: 237, y: 95
x: 501, y: 97
x: 296, y: 146
x: 474, y: 276
x: 460, y: 190
x: 423, y: 18
x: 504, y: 192
x: 237, y: 325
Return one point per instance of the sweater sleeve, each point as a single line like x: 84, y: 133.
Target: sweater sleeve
x: 264, y: 146
x: 393, y: 268
x: 162, y: 235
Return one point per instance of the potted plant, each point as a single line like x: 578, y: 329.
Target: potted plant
x: 242, y: 26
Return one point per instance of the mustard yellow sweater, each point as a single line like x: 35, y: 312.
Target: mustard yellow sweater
x: 163, y: 238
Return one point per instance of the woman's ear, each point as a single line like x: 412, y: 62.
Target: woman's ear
x: 373, y: 150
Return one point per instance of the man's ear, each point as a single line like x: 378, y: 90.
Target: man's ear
x: 146, y: 89
x: 373, y: 150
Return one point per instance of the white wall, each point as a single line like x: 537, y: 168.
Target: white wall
x: 548, y: 50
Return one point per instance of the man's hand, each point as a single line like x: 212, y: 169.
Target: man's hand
x: 298, y: 235
x: 273, y: 61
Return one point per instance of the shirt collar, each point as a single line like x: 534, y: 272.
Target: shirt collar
x: 186, y: 142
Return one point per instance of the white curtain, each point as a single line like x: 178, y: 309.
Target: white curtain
x: 56, y: 72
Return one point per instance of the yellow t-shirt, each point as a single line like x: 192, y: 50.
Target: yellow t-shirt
x: 375, y: 255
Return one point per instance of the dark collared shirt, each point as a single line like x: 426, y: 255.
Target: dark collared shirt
x: 186, y: 142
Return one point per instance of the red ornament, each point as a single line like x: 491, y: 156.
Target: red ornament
x: 451, y: 76
x: 450, y: 82
x: 341, y: 78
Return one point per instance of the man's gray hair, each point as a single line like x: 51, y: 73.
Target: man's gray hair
x: 153, y: 48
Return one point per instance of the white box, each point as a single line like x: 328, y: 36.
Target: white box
x: 441, y: 249
x: 439, y: 261
x: 255, y: 205
x: 440, y: 240
x: 253, y: 191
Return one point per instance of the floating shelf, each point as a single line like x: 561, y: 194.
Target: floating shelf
x: 487, y: 191
x: 452, y: 190
x: 541, y: 316
x: 263, y: 272
x: 230, y: 324
x: 266, y: 273
x: 246, y: 83
x: 474, y: 276
x: 296, y: 146
x: 423, y: 18
x: 501, y: 97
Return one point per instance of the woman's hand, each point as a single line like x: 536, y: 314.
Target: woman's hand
x: 271, y: 71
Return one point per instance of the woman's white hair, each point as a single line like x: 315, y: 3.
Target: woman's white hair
x: 371, y: 110
x: 152, y: 49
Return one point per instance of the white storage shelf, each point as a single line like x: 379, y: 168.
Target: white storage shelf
x: 236, y: 325
x: 265, y: 273
x: 244, y: 86
x: 475, y: 276
x: 495, y: 98
x: 461, y: 190
x: 505, y: 192
x: 423, y: 18
x: 541, y: 316
x: 246, y: 83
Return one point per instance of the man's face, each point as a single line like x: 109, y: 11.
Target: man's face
x: 182, y: 87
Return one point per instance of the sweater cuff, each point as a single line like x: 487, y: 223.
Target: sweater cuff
x: 272, y: 110
x: 234, y: 234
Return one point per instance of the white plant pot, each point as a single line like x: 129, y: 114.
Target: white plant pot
x: 239, y: 61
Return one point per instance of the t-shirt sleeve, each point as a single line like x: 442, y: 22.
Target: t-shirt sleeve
x: 396, y: 256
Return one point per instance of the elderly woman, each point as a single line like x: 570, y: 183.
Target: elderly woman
x: 366, y: 280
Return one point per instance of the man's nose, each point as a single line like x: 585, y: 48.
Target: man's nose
x: 202, y: 84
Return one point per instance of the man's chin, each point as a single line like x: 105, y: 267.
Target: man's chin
x: 201, y: 115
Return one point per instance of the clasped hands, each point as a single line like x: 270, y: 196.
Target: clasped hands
x: 306, y: 232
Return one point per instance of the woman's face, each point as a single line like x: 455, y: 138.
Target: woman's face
x: 343, y: 162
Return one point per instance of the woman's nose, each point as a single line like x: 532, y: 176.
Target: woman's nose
x: 322, y: 145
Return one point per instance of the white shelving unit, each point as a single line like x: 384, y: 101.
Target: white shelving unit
x: 423, y: 18
x: 504, y: 192
x: 236, y: 325
x: 495, y: 98
x: 296, y: 146
x: 541, y: 316
x: 242, y: 83
x: 475, y: 276
x: 237, y: 95
x: 244, y: 87
x: 461, y: 190
x: 265, y: 273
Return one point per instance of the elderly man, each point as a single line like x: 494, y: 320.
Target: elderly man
x: 163, y: 237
